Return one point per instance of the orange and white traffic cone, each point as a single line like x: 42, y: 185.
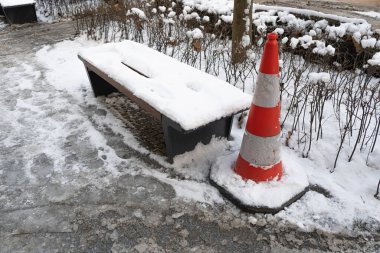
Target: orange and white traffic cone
x: 259, y: 157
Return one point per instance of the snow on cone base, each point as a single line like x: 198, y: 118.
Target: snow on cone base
x: 266, y: 197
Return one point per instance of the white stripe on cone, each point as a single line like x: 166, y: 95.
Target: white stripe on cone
x: 267, y: 91
x: 261, y: 151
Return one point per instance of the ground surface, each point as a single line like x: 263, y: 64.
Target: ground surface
x: 58, y: 193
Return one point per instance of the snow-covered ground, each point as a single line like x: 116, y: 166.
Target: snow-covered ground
x: 55, y: 113
x: 351, y: 186
x: 372, y: 14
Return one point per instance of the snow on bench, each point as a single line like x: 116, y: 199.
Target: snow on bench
x: 12, y: 3
x: 192, y: 105
x: 19, y: 11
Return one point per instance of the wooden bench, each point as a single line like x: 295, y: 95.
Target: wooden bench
x: 19, y: 11
x: 191, y: 105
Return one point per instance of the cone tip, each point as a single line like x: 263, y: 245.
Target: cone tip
x: 272, y: 36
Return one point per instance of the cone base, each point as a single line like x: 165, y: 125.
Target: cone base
x: 264, y: 197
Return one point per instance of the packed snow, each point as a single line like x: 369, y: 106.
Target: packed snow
x: 184, y: 94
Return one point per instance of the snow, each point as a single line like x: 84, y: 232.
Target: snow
x: 138, y: 12
x: 372, y: 14
x: 279, y: 31
x: 8, y: 3
x: 368, y: 43
x: 306, y: 41
x: 195, y: 34
x: 272, y: 194
x: 321, y: 49
x: 312, y: 33
x: 186, y: 95
x: 294, y: 42
x: 206, y: 19
x: 309, y: 13
x: 224, y: 7
x: 375, y: 61
x: 315, y: 78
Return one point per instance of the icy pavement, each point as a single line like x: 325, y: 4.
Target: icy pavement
x: 74, y: 178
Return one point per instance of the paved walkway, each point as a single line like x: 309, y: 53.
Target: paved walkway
x: 74, y: 203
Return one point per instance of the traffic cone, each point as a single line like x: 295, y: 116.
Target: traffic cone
x: 259, y: 157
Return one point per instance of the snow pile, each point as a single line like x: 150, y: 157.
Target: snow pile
x: 375, y: 61
x: 322, y: 77
x: 186, y: 95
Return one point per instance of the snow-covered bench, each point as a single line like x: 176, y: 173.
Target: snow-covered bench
x: 19, y: 11
x: 192, y: 106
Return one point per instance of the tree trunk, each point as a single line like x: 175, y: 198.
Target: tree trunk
x: 241, y: 29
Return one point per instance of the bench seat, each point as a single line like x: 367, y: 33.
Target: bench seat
x: 19, y: 11
x: 191, y: 105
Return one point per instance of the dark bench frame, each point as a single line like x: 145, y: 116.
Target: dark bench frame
x: 177, y: 140
x: 19, y: 14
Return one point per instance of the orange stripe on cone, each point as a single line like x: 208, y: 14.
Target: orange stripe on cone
x: 263, y: 123
x: 256, y: 173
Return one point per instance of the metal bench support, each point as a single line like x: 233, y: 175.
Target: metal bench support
x: 100, y: 86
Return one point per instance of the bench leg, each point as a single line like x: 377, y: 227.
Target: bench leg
x: 178, y: 141
x: 100, y: 86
